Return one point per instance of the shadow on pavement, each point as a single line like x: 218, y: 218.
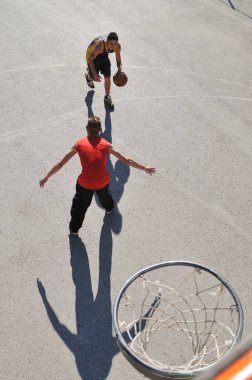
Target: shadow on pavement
x: 119, y: 173
x: 93, y: 344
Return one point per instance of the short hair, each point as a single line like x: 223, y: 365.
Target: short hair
x: 112, y: 36
x: 94, y: 125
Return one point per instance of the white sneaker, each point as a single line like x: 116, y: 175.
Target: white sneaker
x: 108, y: 101
x: 90, y: 83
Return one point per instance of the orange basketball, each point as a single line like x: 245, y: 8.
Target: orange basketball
x: 120, y: 80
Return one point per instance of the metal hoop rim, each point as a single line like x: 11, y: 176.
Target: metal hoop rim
x: 174, y: 374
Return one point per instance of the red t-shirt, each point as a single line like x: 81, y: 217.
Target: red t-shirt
x: 93, y: 152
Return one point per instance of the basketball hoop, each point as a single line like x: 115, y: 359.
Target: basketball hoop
x: 176, y: 319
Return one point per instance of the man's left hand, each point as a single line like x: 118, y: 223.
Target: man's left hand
x: 119, y: 72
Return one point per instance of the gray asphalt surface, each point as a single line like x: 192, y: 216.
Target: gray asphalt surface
x: 186, y: 110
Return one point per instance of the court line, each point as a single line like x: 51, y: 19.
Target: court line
x: 225, y: 22
x: 23, y: 130
x: 182, y: 13
x: 190, y: 73
x: 213, y: 208
x: 188, y: 96
x: 48, y: 67
x: 30, y: 68
x: 227, y: 13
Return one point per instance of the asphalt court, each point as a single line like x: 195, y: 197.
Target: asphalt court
x: 186, y: 110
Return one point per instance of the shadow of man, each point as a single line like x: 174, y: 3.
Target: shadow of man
x: 93, y: 344
x: 119, y: 173
x: 106, y: 134
x: 89, y: 101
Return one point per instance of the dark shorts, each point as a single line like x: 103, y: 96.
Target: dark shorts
x: 103, y: 67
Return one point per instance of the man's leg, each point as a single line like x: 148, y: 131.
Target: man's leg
x: 107, y: 98
x: 105, y: 198
x: 81, y: 201
x: 89, y: 77
x: 106, y: 71
x: 107, y: 85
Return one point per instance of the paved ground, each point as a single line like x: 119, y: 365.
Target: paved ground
x: 186, y: 110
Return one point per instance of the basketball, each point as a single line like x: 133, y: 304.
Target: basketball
x: 120, y: 80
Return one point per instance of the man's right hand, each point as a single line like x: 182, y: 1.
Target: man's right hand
x: 150, y: 170
x: 97, y: 78
x: 42, y: 182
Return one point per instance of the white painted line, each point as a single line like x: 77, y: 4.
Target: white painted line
x: 183, y: 72
x: 189, y: 73
x: 42, y: 67
x: 23, y: 130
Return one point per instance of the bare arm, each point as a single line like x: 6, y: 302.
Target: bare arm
x: 58, y: 166
x: 118, y: 58
x: 98, y: 47
x: 128, y: 161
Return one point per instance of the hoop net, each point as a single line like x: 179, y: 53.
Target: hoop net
x: 178, y: 318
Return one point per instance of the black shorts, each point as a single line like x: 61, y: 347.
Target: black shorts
x: 103, y: 67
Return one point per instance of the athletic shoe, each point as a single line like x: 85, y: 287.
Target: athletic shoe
x: 72, y: 232
x: 108, y: 101
x: 90, y: 83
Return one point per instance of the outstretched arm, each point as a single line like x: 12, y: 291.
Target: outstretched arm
x: 118, y: 58
x: 58, y: 166
x: 128, y: 161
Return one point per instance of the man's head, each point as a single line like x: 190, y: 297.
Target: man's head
x: 93, y: 126
x: 112, y: 41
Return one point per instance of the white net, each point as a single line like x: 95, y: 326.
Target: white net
x: 185, y: 320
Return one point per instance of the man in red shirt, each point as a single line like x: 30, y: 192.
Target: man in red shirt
x: 93, y: 152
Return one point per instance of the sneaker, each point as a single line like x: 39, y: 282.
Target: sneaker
x: 90, y: 83
x: 72, y: 232
x: 108, y: 101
